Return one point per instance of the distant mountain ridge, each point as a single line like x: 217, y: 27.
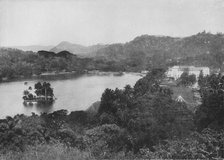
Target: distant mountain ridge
x: 142, y: 53
x: 170, y: 47
x: 33, y: 48
x: 148, y: 49
x: 76, y: 48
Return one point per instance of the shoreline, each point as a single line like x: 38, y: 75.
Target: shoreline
x: 68, y: 75
x: 42, y: 75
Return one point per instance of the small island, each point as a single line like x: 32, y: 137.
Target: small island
x: 42, y: 93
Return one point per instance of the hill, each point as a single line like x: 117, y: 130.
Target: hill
x: 150, y: 45
x: 145, y: 52
x: 76, y: 48
x: 33, y: 48
x: 161, y: 49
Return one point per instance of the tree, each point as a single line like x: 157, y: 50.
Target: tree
x: 107, y: 100
x: 43, y: 89
x: 150, y: 82
x: 210, y: 113
x: 200, y: 79
x: 147, y: 111
x: 192, y: 79
x: 106, y: 139
x: 27, y: 95
x: 186, y: 79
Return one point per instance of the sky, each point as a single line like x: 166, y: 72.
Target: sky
x: 88, y: 22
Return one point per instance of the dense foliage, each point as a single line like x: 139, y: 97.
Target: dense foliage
x: 43, y: 89
x: 187, y: 79
x: 16, y: 63
x: 210, y: 113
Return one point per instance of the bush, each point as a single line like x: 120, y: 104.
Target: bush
x: 48, y: 152
x: 208, y: 144
x: 106, y: 140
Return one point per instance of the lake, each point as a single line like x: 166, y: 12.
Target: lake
x: 75, y: 93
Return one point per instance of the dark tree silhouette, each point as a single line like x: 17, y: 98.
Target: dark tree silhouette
x: 210, y: 113
x: 43, y: 89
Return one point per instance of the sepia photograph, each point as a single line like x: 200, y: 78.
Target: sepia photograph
x: 111, y: 79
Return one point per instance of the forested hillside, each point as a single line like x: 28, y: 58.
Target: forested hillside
x: 17, y: 63
x: 152, y: 50
x: 142, y: 53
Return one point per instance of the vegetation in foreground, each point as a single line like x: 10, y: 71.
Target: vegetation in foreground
x: 132, y: 123
x: 48, y: 152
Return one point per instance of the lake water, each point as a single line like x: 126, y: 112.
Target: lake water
x: 76, y: 93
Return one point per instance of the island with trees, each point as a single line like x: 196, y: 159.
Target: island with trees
x: 43, y: 93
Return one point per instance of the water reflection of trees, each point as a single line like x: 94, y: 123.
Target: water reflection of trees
x: 40, y: 107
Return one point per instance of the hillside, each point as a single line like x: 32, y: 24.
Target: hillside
x: 76, y: 48
x: 160, y: 49
x: 150, y: 45
x: 142, y: 53
x: 147, y: 51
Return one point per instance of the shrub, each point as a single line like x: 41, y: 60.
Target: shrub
x: 48, y: 152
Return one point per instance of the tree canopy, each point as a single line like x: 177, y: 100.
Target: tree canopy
x: 43, y: 89
x: 187, y: 79
x: 211, y: 111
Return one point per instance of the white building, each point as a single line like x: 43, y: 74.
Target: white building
x: 176, y: 71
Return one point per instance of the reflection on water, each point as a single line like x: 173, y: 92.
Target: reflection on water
x: 72, y: 93
x: 40, y: 107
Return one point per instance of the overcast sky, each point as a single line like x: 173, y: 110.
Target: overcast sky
x: 87, y: 22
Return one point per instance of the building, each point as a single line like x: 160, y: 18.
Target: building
x: 176, y: 71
